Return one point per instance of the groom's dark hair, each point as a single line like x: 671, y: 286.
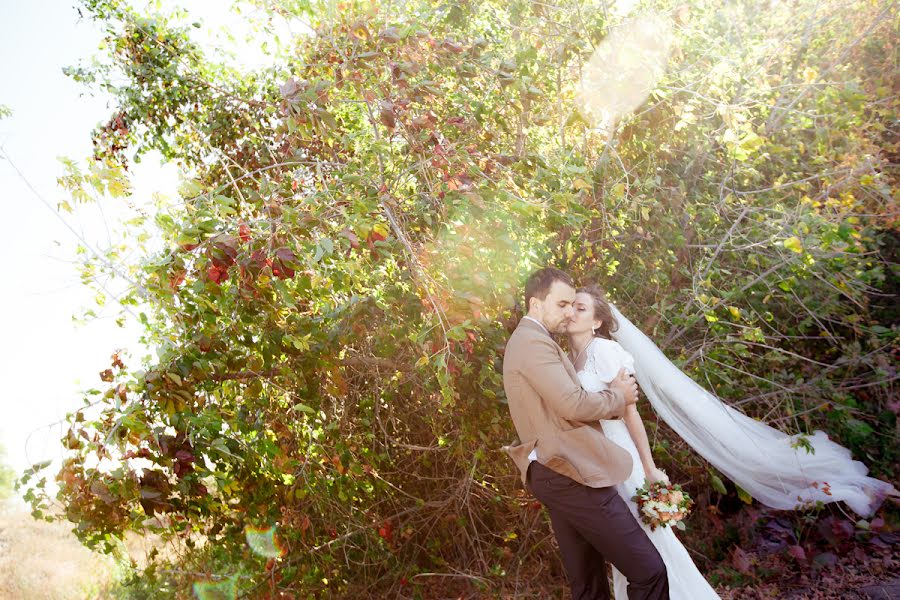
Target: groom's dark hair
x: 539, y: 282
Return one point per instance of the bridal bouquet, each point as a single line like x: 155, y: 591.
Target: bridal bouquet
x: 661, y: 504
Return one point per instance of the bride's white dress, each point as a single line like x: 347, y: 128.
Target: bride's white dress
x: 785, y: 472
x: 782, y: 471
x: 604, y: 359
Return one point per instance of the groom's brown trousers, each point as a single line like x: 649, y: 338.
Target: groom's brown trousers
x: 591, y: 526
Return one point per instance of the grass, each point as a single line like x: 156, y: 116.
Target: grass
x: 43, y: 560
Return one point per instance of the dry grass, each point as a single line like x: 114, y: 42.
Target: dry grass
x: 40, y: 560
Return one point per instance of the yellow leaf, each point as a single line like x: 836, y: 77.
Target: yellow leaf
x: 581, y: 184
x: 793, y: 243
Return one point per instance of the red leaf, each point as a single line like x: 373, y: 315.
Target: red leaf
x: 797, y: 552
x: 285, y: 254
x: 217, y: 274
x: 842, y: 529
x: 389, y: 35
x: 223, y: 250
x: 387, y: 116
x: 291, y: 88
x: 258, y: 258
x: 386, y: 531
x: 282, y: 272
x: 176, y: 279
x: 741, y: 561
x: 348, y: 233
x: 283, y: 263
x: 422, y: 121
x: 244, y: 232
x: 452, y: 46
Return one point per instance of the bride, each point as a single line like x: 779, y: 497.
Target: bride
x: 768, y: 464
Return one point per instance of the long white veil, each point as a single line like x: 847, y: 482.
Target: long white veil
x: 759, y: 458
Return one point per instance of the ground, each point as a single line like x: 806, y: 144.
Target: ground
x: 45, y: 560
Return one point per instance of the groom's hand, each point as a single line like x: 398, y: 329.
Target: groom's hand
x: 625, y: 384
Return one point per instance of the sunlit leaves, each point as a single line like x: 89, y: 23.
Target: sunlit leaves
x: 216, y: 590
x: 101, y: 179
x: 794, y: 244
x: 264, y: 542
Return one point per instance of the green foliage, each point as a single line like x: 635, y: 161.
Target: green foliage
x: 7, y: 477
x: 341, y: 272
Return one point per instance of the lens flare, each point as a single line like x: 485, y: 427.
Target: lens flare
x: 624, y: 69
x: 263, y: 542
x: 216, y: 590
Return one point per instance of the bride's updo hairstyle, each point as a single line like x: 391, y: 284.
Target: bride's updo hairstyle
x: 602, y: 311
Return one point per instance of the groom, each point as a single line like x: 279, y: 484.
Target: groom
x: 564, y: 458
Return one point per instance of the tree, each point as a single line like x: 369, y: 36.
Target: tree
x: 338, y: 279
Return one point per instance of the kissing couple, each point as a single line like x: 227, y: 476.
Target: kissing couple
x: 583, y: 449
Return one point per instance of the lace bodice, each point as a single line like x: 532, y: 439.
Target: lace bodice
x: 604, y: 359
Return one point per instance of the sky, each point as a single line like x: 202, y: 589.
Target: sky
x: 46, y: 358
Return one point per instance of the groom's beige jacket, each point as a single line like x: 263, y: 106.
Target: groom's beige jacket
x: 555, y: 416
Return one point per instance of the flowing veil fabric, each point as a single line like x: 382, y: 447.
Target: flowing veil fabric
x: 759, y: 458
